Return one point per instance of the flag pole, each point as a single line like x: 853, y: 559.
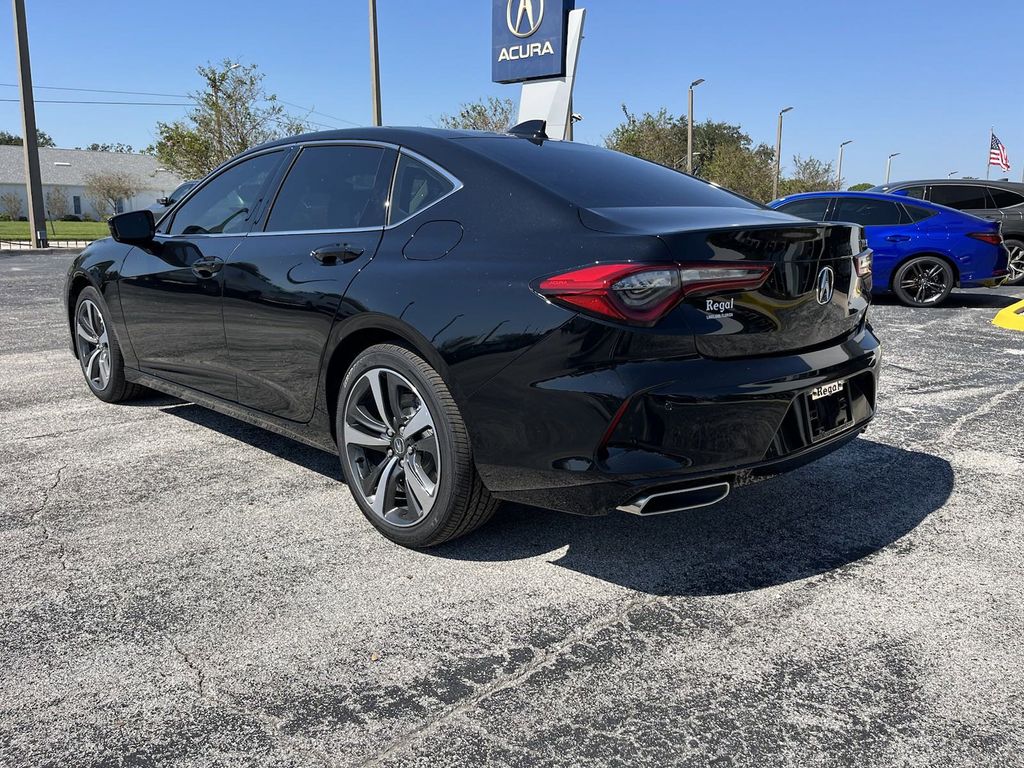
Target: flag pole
x: 988, y: 160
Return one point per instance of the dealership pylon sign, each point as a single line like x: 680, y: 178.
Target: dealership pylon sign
x: 537, y: 43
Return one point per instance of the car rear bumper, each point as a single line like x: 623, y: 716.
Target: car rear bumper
x: 597, y: 441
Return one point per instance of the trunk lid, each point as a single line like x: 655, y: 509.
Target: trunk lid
x: 811, y: 298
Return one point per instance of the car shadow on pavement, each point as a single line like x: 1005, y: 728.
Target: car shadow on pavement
x: 822, y: 517
x: 306, y: 456
x: 955, y: 300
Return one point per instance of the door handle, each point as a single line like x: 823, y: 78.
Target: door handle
x: 207, y: 267
x: 897, y: 238
x: 332, y: 254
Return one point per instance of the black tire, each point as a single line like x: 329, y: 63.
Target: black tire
x: 923, y: 281
x: 115, y: 389
x: 461, y: 502
x: 1015, y: 264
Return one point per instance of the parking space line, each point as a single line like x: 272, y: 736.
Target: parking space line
x: 1012, y: 317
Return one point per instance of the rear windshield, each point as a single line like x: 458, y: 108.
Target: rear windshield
x: 593, y: 177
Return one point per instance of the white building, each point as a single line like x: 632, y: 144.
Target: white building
x: 69, y: 169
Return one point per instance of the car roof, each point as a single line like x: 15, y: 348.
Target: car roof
x: 848, y: 193
x: 1013, y: 186
x: 387, y: 134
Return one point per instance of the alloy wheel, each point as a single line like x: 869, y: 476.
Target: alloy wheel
x: 1015, y: 264
x: 93, y: 344
x: 390, y: 444
x: 925, y: 281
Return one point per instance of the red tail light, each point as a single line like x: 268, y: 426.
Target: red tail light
x: 993, y: 238
x: 644, y: 293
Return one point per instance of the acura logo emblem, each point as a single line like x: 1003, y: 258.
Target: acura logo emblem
x: 524, y: 13
x: 826, y: 285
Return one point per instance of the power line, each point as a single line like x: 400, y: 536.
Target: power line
x: 97, y: 90
x: 121, y: 103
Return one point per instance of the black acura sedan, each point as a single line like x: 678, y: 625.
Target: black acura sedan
x: 468, y: 317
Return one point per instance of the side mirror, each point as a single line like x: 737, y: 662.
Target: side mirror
x: 164, y: 201
x: 134, y: 227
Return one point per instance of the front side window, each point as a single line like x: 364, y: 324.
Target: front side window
x: 812, y: 209
x: 867, y: 212
x: 417, y: 185
x: 963, y: 197
x: 1004, y: 198
x: 332, y: 188
x: 224, y: 204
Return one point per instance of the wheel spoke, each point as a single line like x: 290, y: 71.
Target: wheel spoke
x: 421, y: 489
x: 386, y: 476
x: 356, y: 436
x: 86, y: 334
x: 419, y: 421
x: 394, y: 397
x: 378, y: 397
x: 92, y: 362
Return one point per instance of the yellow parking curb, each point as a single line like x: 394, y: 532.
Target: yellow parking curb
x: 1012, y: 317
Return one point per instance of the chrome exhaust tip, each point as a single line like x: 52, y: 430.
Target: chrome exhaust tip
x: 677, y: 500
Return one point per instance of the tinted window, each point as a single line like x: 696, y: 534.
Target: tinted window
x: 959, y: 196
x: 917, y: 192
x: 917, y: 213
x: 1004, y: 198
x: 598, y: 178
x: 180, y: 191
x: 333, y: 187
x: 812, y: 208
x: 417, y: 185
x: 866, y: 212
x: 223, y: 205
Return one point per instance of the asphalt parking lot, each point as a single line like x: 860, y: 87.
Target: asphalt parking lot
x: 180, y: 588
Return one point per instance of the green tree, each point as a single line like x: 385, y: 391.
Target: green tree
x: 105, y: 190
x: 862, y: 187
x: 43, y: 139
x: 492, y: 114
x: 233, y: 113
x: 809, y: 175
x: 115, y: 147
x: 741, y: 169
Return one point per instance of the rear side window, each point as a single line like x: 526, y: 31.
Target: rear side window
x: 812, y: 208
x: 917, y: 213
x: 593, y: 177
x: 867, y: 212
x: 1004, y: 198
x: 917, y: 192
x: 960, y: 196
x: 332, y: 188
x: 417, y: 185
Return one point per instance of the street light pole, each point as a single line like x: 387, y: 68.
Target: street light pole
x: 888, y: 165
x: 33, y: 178
x: 778, y: 155
x: 374, y: 64
x: 689, y: 127
x: 839, y: 165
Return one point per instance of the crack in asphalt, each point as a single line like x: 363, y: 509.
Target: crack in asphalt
x: 542, y: 658
x: 200, y: 675
x: 985, y: 409
x: 47, y: 532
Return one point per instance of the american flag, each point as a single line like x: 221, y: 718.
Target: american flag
x: 997, y: 154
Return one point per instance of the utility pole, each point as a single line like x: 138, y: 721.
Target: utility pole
x: 374, y: 64
x: 689, y: 127
x: 839, y: 167
x: 33, y: 179
x: 888, y: 165
x: 778, y: 156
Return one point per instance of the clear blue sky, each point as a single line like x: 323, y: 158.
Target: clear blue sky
x: 926, y: 79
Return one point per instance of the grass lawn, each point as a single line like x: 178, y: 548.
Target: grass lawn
x: 56, y: 230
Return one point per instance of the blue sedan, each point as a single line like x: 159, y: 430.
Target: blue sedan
x: 921, y: 250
